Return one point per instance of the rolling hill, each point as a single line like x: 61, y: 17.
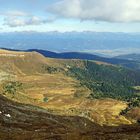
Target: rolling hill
x: 69, y: 87
x: 132, y: 64
x: 35, y: 88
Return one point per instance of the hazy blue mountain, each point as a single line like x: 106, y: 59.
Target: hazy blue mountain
x: 108, y: 44
x: 135, y: 57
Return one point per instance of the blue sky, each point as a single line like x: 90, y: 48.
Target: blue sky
x: 70, y: 15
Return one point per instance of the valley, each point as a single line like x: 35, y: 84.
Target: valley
x: 71, y: 88
x: 69, y: 70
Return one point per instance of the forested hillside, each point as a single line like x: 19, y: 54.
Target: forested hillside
x: 107, y: 80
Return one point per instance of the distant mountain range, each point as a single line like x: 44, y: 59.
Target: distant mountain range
x: 103, y: 43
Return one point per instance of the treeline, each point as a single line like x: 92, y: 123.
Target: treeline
x: 106, y: 81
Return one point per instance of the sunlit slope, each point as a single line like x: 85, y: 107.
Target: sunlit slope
x: 40, y: 76
x: 54, y: 85
x: 21, y: 62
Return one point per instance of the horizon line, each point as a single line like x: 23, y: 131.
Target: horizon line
x: 55, y: 31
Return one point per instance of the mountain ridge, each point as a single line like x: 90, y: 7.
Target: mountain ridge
x: 85, y: 56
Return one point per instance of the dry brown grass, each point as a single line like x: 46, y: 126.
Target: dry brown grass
x: 59, y: 89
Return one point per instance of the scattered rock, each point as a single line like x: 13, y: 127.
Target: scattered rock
x: 8, y: 115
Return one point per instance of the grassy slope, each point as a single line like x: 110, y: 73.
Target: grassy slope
x: 49, y: 78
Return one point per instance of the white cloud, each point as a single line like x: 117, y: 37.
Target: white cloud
x: 14, y: 22
x: 18, y: 21
x: 98, y: 10
x: 20, y: 18
x: 15, y: 13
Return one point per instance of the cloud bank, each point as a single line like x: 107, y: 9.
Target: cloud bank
x: 98, y: 10
x: 20, y: 18
x: 15, y: 14
x: 16, y: 21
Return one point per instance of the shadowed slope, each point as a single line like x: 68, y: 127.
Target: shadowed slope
x: 18, y: 121
x: 22, y: 122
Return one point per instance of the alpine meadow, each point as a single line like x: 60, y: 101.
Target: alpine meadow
x: 70, y: 70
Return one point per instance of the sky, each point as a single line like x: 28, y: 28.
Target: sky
x: 70, y: 15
